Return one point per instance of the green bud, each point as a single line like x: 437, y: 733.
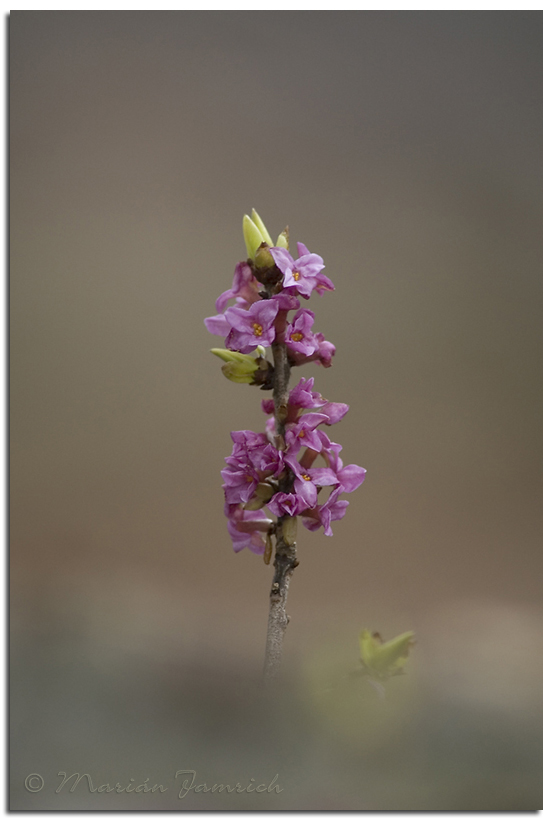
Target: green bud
x: 263, y: 258
x: 238, y: 367
x: 254, y: 503
x: 262, y: 229
x: 227, y: 355
x: 236, y: 373
x: 383, y: 660
x: 268, y: 549
x: 252, y: 236
x: 263, y: 493
x: 289, y: 530
x: 283, y: 240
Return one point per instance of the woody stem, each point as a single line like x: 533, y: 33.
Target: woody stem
x: 285, y: 528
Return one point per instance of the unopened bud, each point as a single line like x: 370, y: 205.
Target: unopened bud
x: 236, y: 373
x: 263, y: 258
x: 252, y: 236
x: 254, y: 504
x: 283, y: 240
x: 264, y: 491
x: 238, y: 367
x: 256, y: 219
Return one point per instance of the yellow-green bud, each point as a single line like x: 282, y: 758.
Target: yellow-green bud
x: 283, y: 240
x: 263, y: 493
x: 263, y: 258
x: 238, y: 373
x: 262, y: 229
x: 252, y: 236
x: 254, y: 503
x: 238, y: 367
x: 233, y: 355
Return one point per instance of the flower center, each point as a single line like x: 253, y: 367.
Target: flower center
x: 296, y: 274
x: 296, y: 337
x: 301, y: 434
x: 306, y: 477
x: 257, y: 329
x: 249, y: 479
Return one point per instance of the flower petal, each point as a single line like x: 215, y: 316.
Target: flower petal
x: 351, y: 477
x: 323, y: 476
x: 239, y: 319
x: 217, y: 325
x: 283, y: 258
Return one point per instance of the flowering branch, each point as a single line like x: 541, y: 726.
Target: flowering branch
x: 275, y: 469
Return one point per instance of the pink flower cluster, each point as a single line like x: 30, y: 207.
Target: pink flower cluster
x: 256, y: 318
x: 264, y: 469
x: 255, y: 465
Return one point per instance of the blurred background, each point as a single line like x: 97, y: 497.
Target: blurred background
x: 405, y: 148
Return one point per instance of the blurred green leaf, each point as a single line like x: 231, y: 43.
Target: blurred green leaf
x: 382, y: 660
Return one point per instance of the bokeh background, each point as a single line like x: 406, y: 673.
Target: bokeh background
x: 403, y: 147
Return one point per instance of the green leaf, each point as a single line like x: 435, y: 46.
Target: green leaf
x: 384, y: 659
x: 252, y: 236
x: 261, y: 227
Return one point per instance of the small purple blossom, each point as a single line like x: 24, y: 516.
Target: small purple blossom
x: 241, y: 482
x: 247, y: 447
x: 334, y: 411
x: 302, y: 275
x: 286, y: 301
x: 305, y: 434
x: 325, y: 350
x: 270, y: 461
x: 323, y: 353
x: 349, y: 478
x: 307, y: 480
x: 287, y: 504
x: 321, y: 516
x: 249, y: 463
x: 253, y: 327
x: 245, y: 528
x: 299, y: 337
x: 244, y: 286
x: 303, y: 395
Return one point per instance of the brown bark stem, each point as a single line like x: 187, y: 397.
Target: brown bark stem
x: 285, y: 529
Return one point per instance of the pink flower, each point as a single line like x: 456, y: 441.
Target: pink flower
x: 244, y: 287
x: 304, y: 433
x: 299, y: 337
x: 323, y: 352
x: 307, y: 480
x: 332, y: 510
x: 245, y: 528
x: 253, y: 327
x: 348, y: 478
x: 302, y: 275
x: 286, y: 504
